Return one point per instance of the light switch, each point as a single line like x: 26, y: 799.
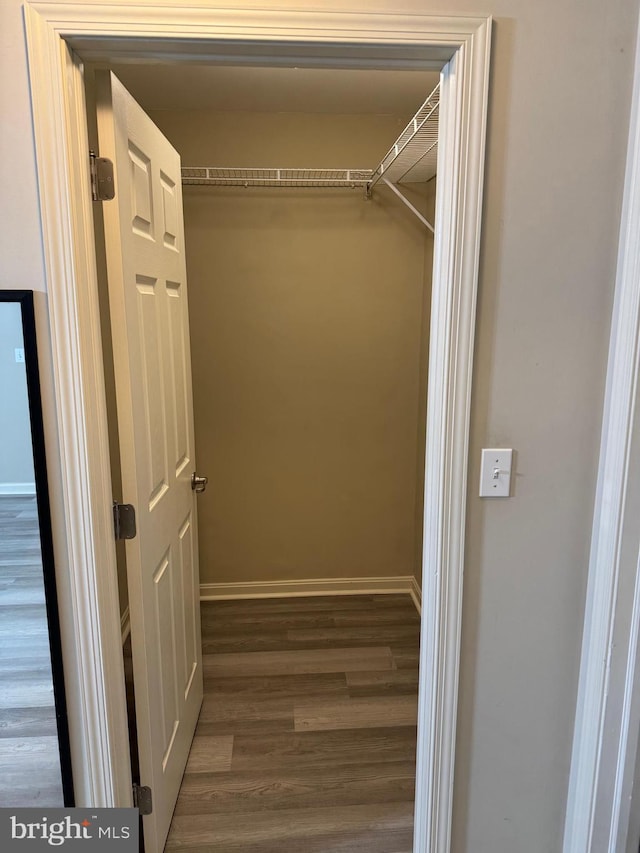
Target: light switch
x: 495, y: 473
x: 19, y: 354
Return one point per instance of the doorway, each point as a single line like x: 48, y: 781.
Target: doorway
x: 463, y: 45
x: 309, y: 328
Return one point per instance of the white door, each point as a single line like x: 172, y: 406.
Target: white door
x: 144, y: 234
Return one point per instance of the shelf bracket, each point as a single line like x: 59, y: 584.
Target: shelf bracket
x: 406, y: 201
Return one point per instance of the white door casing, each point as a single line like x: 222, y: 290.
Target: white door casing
x: 57, y: 34
x: 144, y: 237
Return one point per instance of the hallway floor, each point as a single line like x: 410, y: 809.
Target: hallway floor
x: 306, y: 738
x: 29, y: 756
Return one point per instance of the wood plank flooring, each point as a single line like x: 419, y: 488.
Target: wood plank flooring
x: 306, y: 738
x: 29, y: 757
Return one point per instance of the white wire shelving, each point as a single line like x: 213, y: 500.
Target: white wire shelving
x: 411, y: 159
x: 225, y: 177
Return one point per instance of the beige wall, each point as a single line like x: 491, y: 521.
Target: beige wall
x: 560, y: 86
x: 306, y: 314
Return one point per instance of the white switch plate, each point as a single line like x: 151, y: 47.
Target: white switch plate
x: 19, y: 353
x: 495, y: 473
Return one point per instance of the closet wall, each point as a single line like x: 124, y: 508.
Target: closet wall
x: 309, y: 325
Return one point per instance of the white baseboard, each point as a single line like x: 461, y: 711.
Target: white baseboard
x: 17, y: 489
x: 318, y: 586
x: 416, y: 594
x: 125, y: 625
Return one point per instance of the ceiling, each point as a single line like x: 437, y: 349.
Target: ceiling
x: 255, y: 89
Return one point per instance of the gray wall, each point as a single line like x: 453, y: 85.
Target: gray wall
x: 16, y: 453
x: 560, y: 87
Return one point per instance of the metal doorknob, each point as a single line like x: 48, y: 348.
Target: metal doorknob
x: 198, y: 484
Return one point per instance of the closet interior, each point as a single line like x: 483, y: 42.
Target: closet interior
x: 309, y: 290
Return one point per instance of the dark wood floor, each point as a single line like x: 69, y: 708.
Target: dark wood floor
x: 29, y: 758
x: 306, y: 739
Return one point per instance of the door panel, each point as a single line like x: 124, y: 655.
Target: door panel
x: 144, y: 236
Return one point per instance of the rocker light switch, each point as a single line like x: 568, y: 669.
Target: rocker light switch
x: 495, y: 473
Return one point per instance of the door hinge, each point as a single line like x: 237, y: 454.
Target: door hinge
x: 103, y: 187
x: 124, y: 520
x: 142, y: 799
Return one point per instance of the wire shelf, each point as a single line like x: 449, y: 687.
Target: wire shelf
x: 414, y: 155
x: 227, y: 177
x: 413, y: 158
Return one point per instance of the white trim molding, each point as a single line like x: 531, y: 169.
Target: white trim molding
x: 607, y: 713
x: 416, y: 594
x: 17, y: 489
x: 310, y: 587
x: 89, y: 614
x: 57, y: 35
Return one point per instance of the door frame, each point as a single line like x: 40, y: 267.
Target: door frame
x: 606, y: 741
x: 56, y: 34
